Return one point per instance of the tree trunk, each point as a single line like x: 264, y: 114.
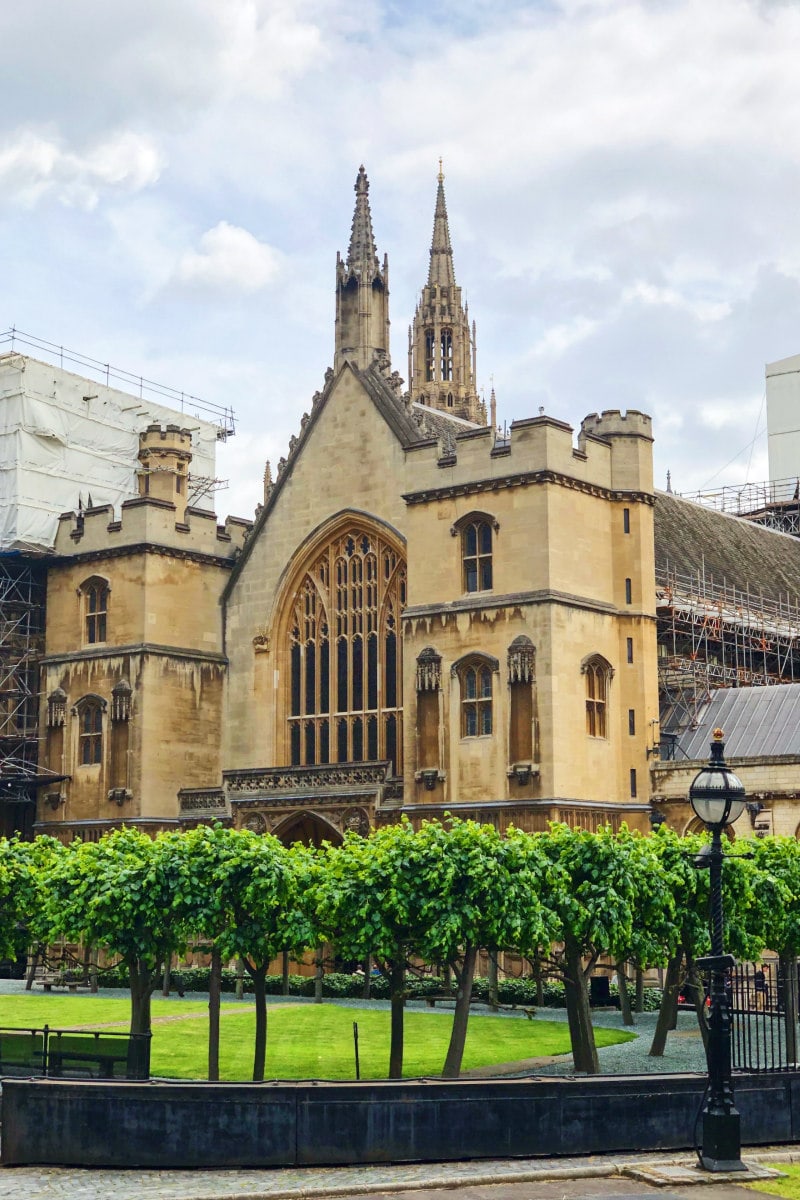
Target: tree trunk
x: 398, y: 995
x: 458, y: 1034
x: 214, y: 992
x: 788, y: 969
x: 258, y: 976
x: 167, y: 981
x: 584, y: 1050
x: 285, y: 973
x: 32, y: 965
x: 493, y: 1001
x: 669, y: 1007
x: 318, y: 976
x: 639, y: 1004
x: 367, y: 977
x: 239, y: 978
x: 142, y: 981
x: 624, y: 995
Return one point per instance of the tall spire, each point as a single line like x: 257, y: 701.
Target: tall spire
x: 362, y: 292
x: 362, y: 256
x: 441, y: 352
x: 441, y: 270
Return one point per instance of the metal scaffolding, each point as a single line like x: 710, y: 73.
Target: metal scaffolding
x: 775, y: 504
x: 22, y: 610
x: 713, y: 635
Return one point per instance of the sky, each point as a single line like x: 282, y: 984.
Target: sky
x: 176, y: 177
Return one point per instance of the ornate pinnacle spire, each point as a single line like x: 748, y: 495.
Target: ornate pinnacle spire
x: 441, y: 270
x: 362, y: 256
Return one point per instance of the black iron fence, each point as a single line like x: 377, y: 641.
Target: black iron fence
x: 73, y: 1054
x: 763, y: 1019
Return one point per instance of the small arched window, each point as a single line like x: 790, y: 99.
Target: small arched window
x: 598, y: 673
x: 475, y: 676
x: 90, y: 730
x: 476, y: 549
x: 95, y: 593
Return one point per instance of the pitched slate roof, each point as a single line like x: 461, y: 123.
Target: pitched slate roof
x: 691, y: 539
x: 758, y: 721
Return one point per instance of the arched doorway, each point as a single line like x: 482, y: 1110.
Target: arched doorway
x: 309, y: 828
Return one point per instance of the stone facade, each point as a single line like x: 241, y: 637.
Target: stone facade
x: 134, y: 669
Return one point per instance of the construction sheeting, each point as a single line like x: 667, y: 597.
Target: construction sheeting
x: 64, y: 438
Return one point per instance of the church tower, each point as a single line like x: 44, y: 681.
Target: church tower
x: 362, y: 292
x: 441, y: 346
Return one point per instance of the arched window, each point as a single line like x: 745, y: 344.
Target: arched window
x: 90, y: 730
x: 345, y: 702
x: 430, y: 344
x: 447, y: 355
x: 475, y: 676
x: 94, y: 594
x: 476, y: 549
x: 598, y: 673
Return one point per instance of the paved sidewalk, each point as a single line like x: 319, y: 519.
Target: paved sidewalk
x: 621, y: 1175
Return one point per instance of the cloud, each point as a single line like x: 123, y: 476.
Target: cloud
x: 34, y: 166
x: 229, y: 259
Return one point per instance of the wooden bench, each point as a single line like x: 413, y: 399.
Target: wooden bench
x: 48, y: 982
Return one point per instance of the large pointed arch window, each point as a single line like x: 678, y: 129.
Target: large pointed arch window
x: 345, y: 702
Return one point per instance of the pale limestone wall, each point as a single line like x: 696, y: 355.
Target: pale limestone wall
x: 772, y: 782
x: 167, y: 596
x: 561, y: 558
x: 349, y: 461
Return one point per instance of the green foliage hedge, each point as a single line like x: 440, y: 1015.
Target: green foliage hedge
x: 337, y: 985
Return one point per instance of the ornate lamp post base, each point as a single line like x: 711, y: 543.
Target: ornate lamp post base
x: 722, y: 1142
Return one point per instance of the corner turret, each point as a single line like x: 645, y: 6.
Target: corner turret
x: 165, y: 454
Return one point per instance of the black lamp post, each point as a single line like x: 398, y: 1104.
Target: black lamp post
x: 717, y: 796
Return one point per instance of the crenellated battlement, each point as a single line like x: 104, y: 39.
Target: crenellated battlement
x: 152, y: 521
x: 613, y: 451
x: 613, y: 423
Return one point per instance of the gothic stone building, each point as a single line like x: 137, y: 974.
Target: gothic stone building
x: 425, y: 618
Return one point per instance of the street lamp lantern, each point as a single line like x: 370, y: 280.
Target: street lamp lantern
x: 717, y: 796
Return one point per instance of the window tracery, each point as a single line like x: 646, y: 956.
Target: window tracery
x: 598, y: 674
x: 345, y: 700
x: 475, y: 676
x: 94, y: 593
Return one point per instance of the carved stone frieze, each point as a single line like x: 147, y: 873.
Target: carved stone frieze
x: 356, y: 820
x: 306, y: 779
x: 256, y: 823
x: 207, y: 800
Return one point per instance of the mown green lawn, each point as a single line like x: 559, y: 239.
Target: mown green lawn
x: 304, y: 1041
x: 789, y: 1188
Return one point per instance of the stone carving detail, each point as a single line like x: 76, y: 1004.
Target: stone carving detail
x: 207, y: 801
x: 121, y: 701
x: 281, y: 466
x: 256, y: 823
x: 56, y: 708
x: 429, y: 670
x: 356, y: 820
x: 316, y: 399
x: 521, y: 660
x: 307, y: 778
x: 304, y: 420
x: 262, y: 642
x: 292, y: 444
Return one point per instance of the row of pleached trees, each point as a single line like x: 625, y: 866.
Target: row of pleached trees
x: 563, y: 900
